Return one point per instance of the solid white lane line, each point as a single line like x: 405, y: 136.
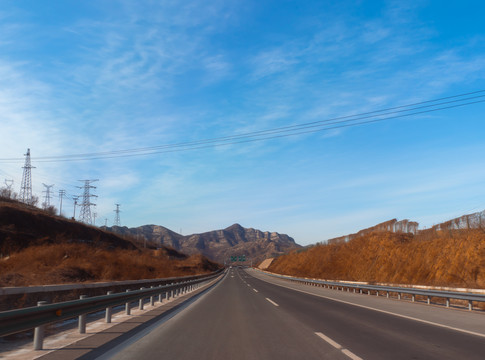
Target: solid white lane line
x: 383, y: 311
x: 336, y: 345
x: 255, y: 290
x: 272, y: 302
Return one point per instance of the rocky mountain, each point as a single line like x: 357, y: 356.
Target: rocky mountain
x: 218, y: 245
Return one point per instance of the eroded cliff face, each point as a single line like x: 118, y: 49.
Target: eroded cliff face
x: 218, y: 245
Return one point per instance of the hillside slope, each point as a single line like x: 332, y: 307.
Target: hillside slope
x: 218, y: 245
x: 37, y: 248
x: 442, y: 258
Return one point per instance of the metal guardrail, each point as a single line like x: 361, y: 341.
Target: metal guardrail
x: 14, y: 321
x: 388, y: 290
x: 83, y: 286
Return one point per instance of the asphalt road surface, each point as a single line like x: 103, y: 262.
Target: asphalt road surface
x: 248, y: 316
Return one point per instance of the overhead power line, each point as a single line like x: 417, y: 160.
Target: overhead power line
x: 396, y: 112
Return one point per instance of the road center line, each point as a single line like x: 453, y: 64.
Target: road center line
x: 272, y: 302
x: 336, y: 345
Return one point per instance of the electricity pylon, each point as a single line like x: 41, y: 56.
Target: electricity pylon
x: 9, y: 184
x: 25, y: 194
x: 47, y: 198
x: 117, y: 216
x: 86, y: 204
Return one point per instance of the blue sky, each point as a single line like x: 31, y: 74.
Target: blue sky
x: 81, y: 77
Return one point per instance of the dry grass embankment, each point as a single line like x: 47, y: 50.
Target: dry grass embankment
x: 38, y: 248
x: 438, y: 258
x: 68, y: 263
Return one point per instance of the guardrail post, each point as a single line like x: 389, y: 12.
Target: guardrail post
x: 140, y: 303
x: 127, y: 305
x: 447, y: 302
x: 160, y: 296
x: 108, y: 310
x: 152, y: 298
x: 39, y: 331
x: 399, y: 296
x: 412, y: 297
x: 82, y: 319
x: 387, y: 294
x: 470, y: 305
x: 429, y: 300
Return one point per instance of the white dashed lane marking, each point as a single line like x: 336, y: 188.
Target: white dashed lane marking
x: 272, y: 302
x: 338, y: 346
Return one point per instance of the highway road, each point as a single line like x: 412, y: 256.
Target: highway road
x: 250, y: 315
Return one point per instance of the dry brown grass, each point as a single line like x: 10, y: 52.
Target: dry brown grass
x: 441, y: 258
x: 39, y: 248
x: 63, y: 263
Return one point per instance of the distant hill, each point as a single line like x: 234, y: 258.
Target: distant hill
x: 218, y: 245
x: 38, y: 248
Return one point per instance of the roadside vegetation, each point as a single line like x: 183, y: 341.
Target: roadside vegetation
x: 437, y: 258
x: 70, y: 263
x: 39, y: 248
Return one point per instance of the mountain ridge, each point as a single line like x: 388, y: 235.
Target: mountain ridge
x: 218, y: 245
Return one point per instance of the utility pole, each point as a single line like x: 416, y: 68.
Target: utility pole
x: 86, y: 204
x: 94, y: 216
x: 25, y: 194
x: 117, y: 216
x: 61, y: 195
x: 47, y: 198
x: 75, y: 198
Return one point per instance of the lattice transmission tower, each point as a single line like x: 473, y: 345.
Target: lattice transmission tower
x: 47, y: 198
x: 9, y: 184
x: 117, y: 216
x: 25, y: 194
x: 85, y: 216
